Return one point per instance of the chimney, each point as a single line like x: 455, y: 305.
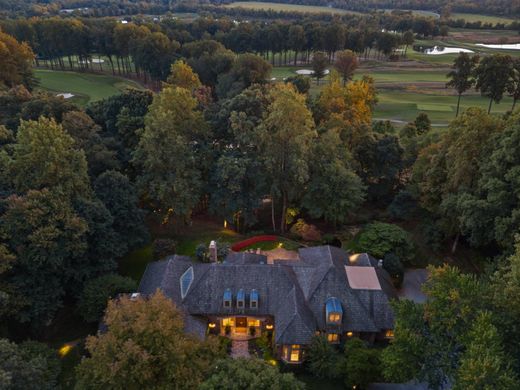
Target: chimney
x: 213, y: 251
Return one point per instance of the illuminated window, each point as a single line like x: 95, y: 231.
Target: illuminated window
x: 253, y: 322
x: 333, y: 311
x: 228, y: 321
x: 333, y: 338
x: 350, y: 334
x: 389, y: 333
x: 295, y: 353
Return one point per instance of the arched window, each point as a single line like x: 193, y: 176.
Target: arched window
x: 333, y: 311
x: 186, y: 280
x: 227, y: 298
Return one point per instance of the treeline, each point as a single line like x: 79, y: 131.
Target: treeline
x: 132, y: 7
x: 148, y: 49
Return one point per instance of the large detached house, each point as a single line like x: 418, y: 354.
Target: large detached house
x: 324, y: 291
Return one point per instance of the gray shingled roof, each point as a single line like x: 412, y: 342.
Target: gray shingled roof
x: 294, y: 293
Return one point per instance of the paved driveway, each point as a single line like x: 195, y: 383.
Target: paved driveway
x: 412, y: 282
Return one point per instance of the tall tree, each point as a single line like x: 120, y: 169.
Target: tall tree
x: 45, y: 156
x: 170, y: 153
x: 48, y: 239
x: 286, y: 134
x: 492, y: 76
x: 296, y: 40
x: 145, y: 346
x: 461, y: 75
x: 346, y: 64
x: 513, y: 87
x: 319, y: 65
x: 15, y: 62
x: 484, y: 365
x: 334, y: 189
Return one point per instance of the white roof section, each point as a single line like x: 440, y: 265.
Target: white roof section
x: 362, y: 278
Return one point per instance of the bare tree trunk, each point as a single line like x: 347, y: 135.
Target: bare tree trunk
x: 272, y: 213
x: 458, y: 105
x: 455, y: 243
x: 284, y: 210
x: 489, y: 108
x: 514, y: 104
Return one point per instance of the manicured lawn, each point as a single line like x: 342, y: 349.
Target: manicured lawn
x: 86, y: 87
x: 270, y: 245
x: 404, y: 106
x: 482, y: 18
x: 258, y: 5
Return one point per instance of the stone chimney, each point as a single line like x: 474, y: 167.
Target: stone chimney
x: 213, y: 251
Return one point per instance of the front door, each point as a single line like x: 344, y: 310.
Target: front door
x: 241, y: 324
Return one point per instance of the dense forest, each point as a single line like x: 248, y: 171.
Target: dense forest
x: 80, y: 187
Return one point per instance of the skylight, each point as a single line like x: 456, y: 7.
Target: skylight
x: 186, y: 280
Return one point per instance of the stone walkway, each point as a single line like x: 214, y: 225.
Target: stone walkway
x: 239, y: 348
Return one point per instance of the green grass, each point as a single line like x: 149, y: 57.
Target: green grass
x: 482, y: 18
x: 434, y: 107
x: 404, y: 106
x: 134, y: 263
x: 258, y: 5
x: 86, y: 87
x: 270, y: 245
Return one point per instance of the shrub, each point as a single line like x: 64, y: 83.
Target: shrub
x: 201, y: 253
x: 98, y: 291
x: 163, y: 247
x: 306, y: 231
x: 322, y: 358
x: 392, y: 264
x: 380, y: 238
x: 362, y: 365
x: 403, y: 206
x: 222, y: 250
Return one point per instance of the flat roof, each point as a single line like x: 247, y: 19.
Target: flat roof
x: 362, y: 278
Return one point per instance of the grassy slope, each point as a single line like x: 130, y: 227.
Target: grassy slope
x: 86, y: 87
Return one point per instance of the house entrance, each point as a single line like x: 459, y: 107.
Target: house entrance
x: 241, y: 325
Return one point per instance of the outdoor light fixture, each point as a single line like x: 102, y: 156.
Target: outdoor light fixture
x: 211, y: 325
x: 349, y: 334
x: 269, y: 326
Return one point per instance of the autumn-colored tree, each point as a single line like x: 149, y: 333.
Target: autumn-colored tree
x: 145, y: 346
x: 346, y: 64
x: 183, y: 76
x: 346, y: 107
x: 15, y: 62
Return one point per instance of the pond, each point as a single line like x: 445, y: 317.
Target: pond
x: 505, y: 46
x: 436, y: 50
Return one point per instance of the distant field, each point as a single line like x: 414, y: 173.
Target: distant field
x: 483, y: 18
x: 418, y: 12
x: 85, y: 87
x: 257, y: 5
